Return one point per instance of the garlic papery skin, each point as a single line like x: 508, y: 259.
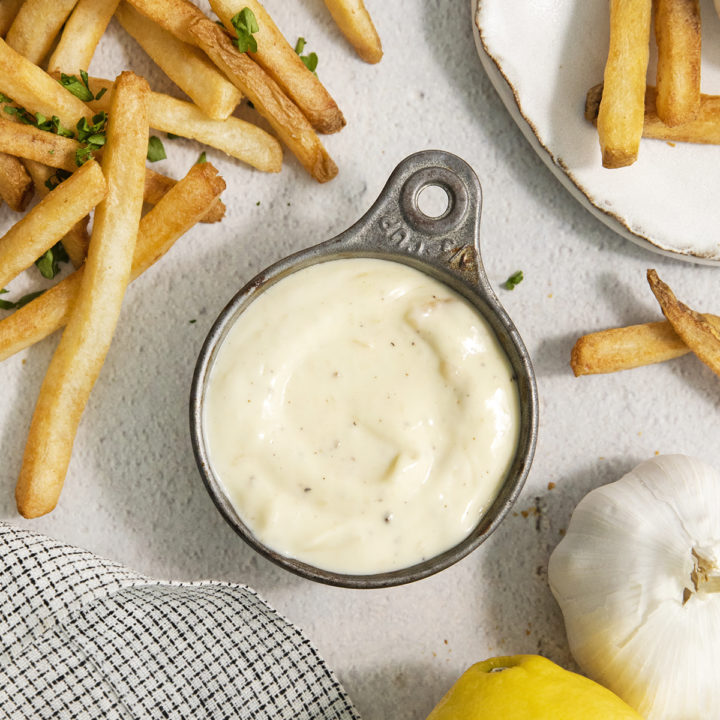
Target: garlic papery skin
x: 637, y: 578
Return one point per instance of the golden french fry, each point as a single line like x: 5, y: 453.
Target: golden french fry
x: 175, y: 16
x: 158, y: 185
x: 269, y: 100
x: 16, y: 186
x: 357, y: 26
x: 36, y: 26
x: 240, y: 139
x: 49, y: 220
x: 81, y: 35
x: 175, y: 213
x: 620, y: 119
x: 29, y: 142
x: 284, y: 66
x: 47, y: 148
x: 8, y: 11
x: 76, y: 240
x: 189, y: 24
x: 696, y: 332
x: 677, y: 31
x: 184, y: 64
x: 35, y: 90
x: 82, y: 349
x: 625, y: 348
x: 704, y: 129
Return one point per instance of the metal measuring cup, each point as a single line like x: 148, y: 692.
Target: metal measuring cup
x: 446, y: 248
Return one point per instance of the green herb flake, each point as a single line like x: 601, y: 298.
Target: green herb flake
x: 258, y: 203
x: 91, y: 135
x: 24, y: 300
x: 202, y: 158
x: 193, y: 321
x: 172, y: 136
x: 245, y: 24
x: 54, y: 180
x: 311, y: 59
x: 82, y: 155
x: 76, y: 87
x: 48, y: 263
x: 514, y: 280
x: 156, y: 150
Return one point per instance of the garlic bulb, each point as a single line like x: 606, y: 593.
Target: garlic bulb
x: 637, y: 577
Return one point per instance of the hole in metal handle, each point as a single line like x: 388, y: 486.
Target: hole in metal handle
x: 437, y: 178
x: 433, y: 201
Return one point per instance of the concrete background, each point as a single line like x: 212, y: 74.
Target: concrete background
x: 133, y: 493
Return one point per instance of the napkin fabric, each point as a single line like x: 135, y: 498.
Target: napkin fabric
x: 84, y: 638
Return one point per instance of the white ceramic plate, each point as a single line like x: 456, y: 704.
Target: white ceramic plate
x: 542, y: 57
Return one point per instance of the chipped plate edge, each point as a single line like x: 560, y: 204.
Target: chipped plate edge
x: 560, y: 170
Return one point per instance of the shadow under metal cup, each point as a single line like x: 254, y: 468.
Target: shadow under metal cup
x: 446, y: 248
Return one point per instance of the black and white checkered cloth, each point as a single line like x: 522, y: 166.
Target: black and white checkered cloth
x: 84, y: 638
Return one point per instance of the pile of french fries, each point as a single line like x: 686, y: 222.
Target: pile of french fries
x: 81, y: 143
x: 625, y: 108
x: 684, y: 330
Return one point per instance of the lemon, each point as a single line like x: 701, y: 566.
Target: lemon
x: 528, y: 687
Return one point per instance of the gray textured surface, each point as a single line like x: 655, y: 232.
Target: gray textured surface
x: 133, y: 494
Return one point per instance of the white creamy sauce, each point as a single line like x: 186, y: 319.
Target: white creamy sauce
x: 361, y: 416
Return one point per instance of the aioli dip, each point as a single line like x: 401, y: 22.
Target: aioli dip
x: 361, y: 416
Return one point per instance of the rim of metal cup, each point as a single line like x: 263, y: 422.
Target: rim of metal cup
x: 444, y: 247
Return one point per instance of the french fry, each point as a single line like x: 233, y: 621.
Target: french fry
x: 357, y: 26
x: 284, y: 66
x: 240, y: 139
x: 86, y: 340
x: 16, y: 186
x: 56, y: 151
x: 8, y: 11
x: 189, y: 24
x: 677, y: 31
x: 158, y: 185
x: 76, y: 240
x: 184, y: 64
x: 696, y: 332
x: 36, y: 26
x: 175, y: 213
x: 81, y: 35
x: 49, y: 220
x: 34, y: 89
x: 269, y: 100
x: 625, y: 348
x: 29, y: 142
x: 704, y: 129
x: 620, y: 119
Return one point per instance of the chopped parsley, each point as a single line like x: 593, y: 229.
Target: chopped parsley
x: 48, y: 263
x: 245, y: 24
x: 311, y: 60
x: 54, y: 180
x: 38, y: 120
x: 80, y: 88
x: 156, y: 150
x: 514, y: 280
x: 172, y: 136
x: 91, y: 136
x: 202, y: 158
x: 24, y: 300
